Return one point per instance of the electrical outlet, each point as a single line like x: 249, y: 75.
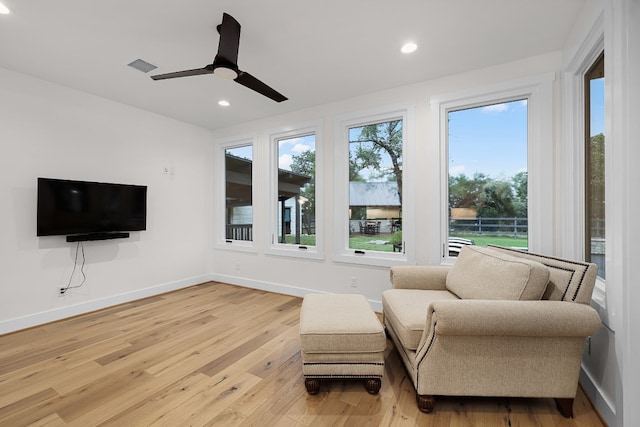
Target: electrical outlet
x: 354, y: 282
x: 237, y: 265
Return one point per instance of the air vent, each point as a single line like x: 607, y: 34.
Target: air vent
x: 141, y: 65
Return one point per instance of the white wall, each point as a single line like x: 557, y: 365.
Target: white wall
x: 299, y: 276
x: 52, y: 131
x: 622, y: 128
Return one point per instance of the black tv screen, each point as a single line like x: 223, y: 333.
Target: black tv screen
x: 75, y: 207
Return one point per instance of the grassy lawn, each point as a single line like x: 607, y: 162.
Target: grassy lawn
x: 484, y: 240
x: 363, y: 242
x: 305, y: 240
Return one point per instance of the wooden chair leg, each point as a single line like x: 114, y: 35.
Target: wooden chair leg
x: 312, y: 385
x: 565, y: 407
x: 425, y: 402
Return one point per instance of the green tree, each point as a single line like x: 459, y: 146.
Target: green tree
x: 496, y: 200
x: 596, y: 178
x: 465, y: 192
x: 373, y: 140
x: 520, y: 194
x: 489, y: 197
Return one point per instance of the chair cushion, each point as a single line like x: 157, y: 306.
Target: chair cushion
x: 406, y: 310
x: 483, y: 273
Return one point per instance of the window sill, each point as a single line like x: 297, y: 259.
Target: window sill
x: 371, y: 258
x: 295, y: 251
x: 236, y: 245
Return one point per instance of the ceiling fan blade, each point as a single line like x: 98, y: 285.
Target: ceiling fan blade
x: 229, y: 41
x: 186, y: 73
x: 247, y: 80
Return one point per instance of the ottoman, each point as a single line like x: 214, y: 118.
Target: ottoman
x: 340, y: 337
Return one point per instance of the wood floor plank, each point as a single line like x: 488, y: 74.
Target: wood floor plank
x: 217, y: 355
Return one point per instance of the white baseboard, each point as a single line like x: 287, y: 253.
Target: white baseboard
x: 16, y: 324
x: 605, y: 407
x: 278, y: 288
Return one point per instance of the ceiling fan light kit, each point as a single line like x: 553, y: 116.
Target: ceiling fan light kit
x: 225, y: 63
x: 225, y: 73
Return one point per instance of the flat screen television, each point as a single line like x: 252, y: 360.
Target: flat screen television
x: 83, y: 208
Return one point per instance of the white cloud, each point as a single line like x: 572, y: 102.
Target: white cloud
x: 495, y: 108
x: 456, y: 170
x: 300, y: 148
x: 284, y: 161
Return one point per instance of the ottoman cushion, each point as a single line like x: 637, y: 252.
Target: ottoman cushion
x: 339, y: 323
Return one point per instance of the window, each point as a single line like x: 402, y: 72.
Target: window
x: 294, y: 218
x: 516, y: 144
x: 371, y: 182
x: 238, y: 193
x: 594, y: 166
x: 375, y: 186
x: 487, y: 178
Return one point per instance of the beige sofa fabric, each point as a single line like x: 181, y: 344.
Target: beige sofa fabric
x: 568, y: 280
x: 482, y: 273
x: 340, y: 323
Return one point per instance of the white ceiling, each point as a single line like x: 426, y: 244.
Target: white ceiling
x: 313, y: 52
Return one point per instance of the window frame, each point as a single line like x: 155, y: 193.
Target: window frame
x: 342, y: 252
x: 284, y: 249
x: 572, y: 222
x: 538, y: 91
x: 598, y: 62
x: 219, y: 217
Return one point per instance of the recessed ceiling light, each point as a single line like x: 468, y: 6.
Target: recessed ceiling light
x: 223, y: 103
x: 4, y: 10
x: 408, y: 48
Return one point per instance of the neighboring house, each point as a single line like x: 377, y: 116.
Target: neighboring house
x: 374, y: 200
x: 239, y: 200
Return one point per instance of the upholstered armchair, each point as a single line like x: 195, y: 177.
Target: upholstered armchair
x: 499, y: 322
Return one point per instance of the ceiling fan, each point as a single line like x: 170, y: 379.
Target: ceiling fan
x: 225, y: 64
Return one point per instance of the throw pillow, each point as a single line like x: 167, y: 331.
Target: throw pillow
x: 483, y: 273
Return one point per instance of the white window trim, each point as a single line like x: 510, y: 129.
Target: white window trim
x: 538, y: 90
x: 275, y: 248
x: 572, y: 230
x: 219, y: 217
x: 342, y: 253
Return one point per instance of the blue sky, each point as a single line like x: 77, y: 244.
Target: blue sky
x: 597, y: 106
x: 287, y: 148
x: 490, y: 140
x: 244, y: 152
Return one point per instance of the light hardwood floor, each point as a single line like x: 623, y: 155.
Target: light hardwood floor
x: 215, y: 355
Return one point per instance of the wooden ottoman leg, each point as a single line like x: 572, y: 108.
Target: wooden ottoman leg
x: 425, y: 402
x: 565, y: 407
x: 312, y: 385
x: 373, y: 385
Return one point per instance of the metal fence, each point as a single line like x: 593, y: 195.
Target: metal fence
x: 497, y: 226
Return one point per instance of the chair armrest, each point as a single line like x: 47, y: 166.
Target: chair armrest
x: 512, y: 318
x: 428, y: 277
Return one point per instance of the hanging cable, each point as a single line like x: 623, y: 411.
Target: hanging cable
x: 79, y: 247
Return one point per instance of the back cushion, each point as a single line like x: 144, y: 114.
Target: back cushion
x: 568, y: 280
x: 483, y: 273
